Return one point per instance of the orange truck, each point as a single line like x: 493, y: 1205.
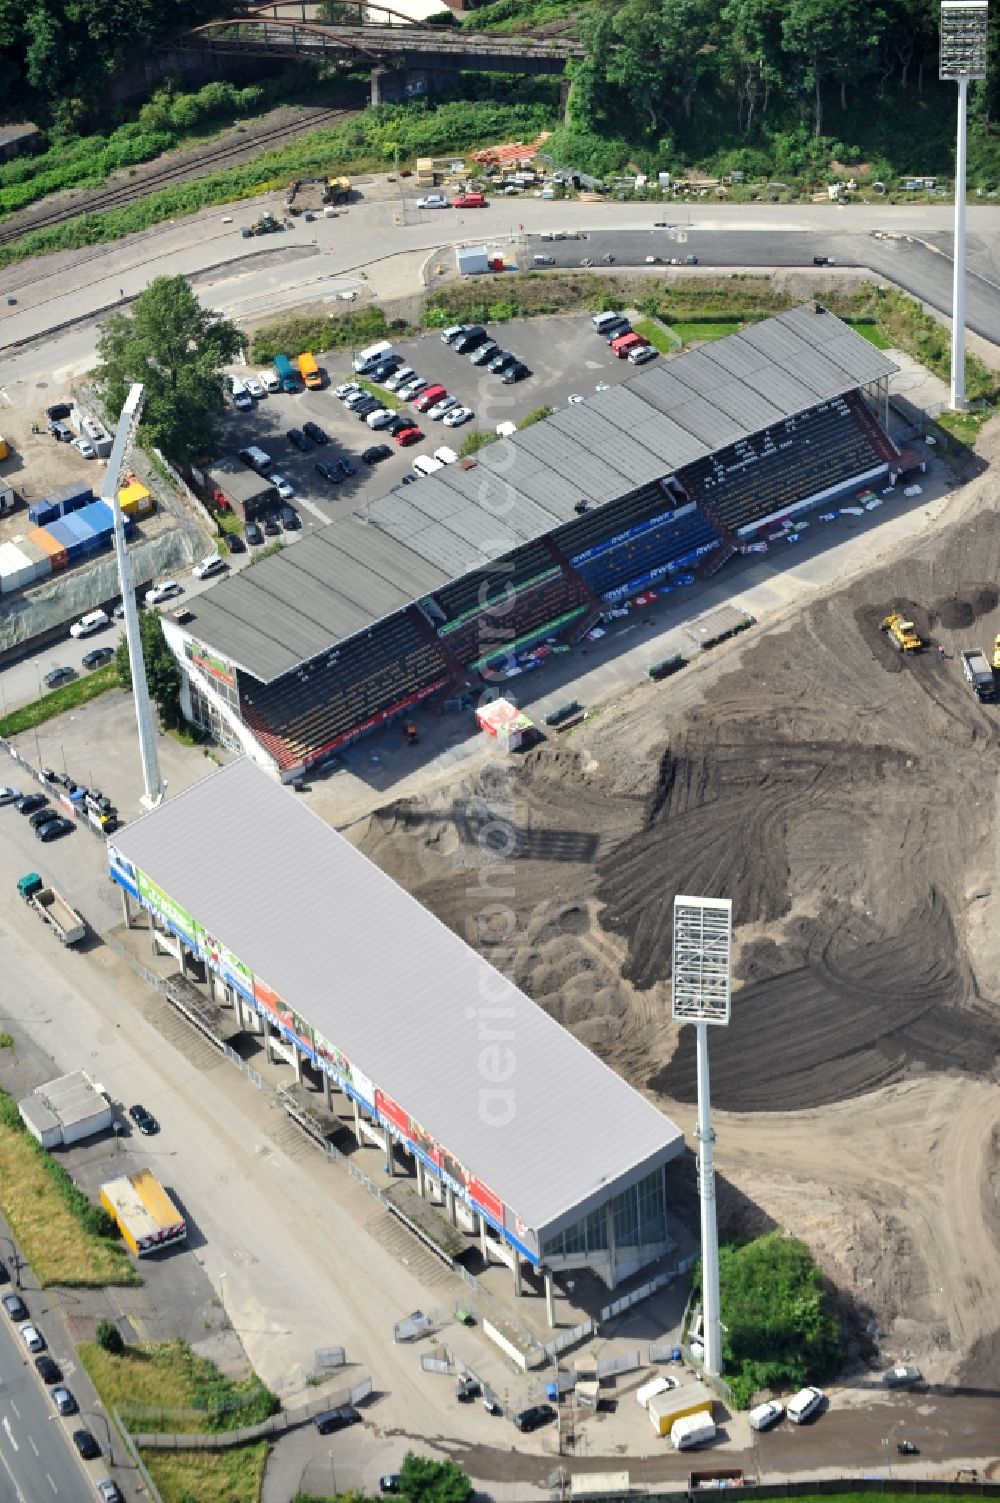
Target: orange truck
x: 310, y: 371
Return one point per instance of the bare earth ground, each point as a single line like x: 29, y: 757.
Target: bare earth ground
x: 846, y: 800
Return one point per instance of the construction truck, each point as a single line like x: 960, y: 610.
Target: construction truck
x: 54, y: 909
x: 902, y: 633
x: 146, y: 1216
x: 310, y: 195
x: 977, y: 670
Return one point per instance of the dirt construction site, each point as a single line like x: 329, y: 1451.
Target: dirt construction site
x: 845, y: 796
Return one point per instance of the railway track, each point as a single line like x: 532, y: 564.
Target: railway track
x: 116, y: 197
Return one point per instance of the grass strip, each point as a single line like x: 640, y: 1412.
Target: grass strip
x: 68, y: 697
x: 235, y: 1476
x: 165, y: 1387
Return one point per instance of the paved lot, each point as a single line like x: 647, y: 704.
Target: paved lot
x: 563, y: 354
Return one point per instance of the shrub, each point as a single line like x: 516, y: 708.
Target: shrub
x: 109, y: 1337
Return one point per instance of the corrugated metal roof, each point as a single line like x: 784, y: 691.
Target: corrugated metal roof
x: 407, y: 1001
x: 664, y: 417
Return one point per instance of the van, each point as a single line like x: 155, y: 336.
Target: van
x: 335, y: 1419
x: 602, y: 321
x: 621, y: 347
x: 241, y: 397
x: 285, y: 373
x: 425, y: 465
x: 640, y: 355
x: 544, y: 260
x: 257, y: 459
x: 310, y: 371
x: 649, y: 1390
x: 95, y: 621
x: 804, y: 1405
x: 364, y: 360
x: 693, y: 1430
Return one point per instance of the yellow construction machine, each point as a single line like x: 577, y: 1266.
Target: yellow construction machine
x: 996, y: 652
x: 902, y: 633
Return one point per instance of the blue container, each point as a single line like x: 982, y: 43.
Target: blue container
x: 70, y: 498
x: 70, y: 540
x: 98, y: 516
x: 42, y: 513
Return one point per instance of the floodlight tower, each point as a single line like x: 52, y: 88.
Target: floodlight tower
x: 703, y: 930
x: 117, y: 464
x: 963, y: 56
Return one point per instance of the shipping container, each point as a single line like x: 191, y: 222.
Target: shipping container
x: 98, y: 516
x: 16, y: 569
x: 38, y: 556
x: 664, y: 1409
x: 42, y: 513
x: 135, y: 500
x: 70, y: 540
x: 56, y: 551
x: 70, y: 498
x: 83, y: 532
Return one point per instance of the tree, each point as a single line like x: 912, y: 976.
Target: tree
x: 422, y: 1481
x: 163, y: 676
x: 109, y: 1338
x: 177, y: 349
x: 812, y: 35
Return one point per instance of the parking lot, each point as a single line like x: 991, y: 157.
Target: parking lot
x: 564, y: 355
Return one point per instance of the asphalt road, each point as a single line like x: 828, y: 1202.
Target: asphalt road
x: 37, y: 1461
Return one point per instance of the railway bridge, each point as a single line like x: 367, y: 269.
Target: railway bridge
x: 405, y: 57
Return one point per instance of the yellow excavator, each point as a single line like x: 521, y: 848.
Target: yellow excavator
x: 996, y: 652
x: 902, y: 633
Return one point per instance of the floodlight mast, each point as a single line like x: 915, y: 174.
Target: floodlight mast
x: 117, y: 466
x: 702, y: 955
x: 964, y: 29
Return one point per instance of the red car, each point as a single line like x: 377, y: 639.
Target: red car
x: 407, y: 436
x: 428, y: 398
x: 469, y: 201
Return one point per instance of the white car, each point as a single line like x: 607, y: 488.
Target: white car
x: 440, y: 408
x: 93, y: 621
x: 268, y: 380
x: 85, y: 447
x: 284, y: 488
x: 804, y: 1405
x: 346, y: 389
x: 457, y: 416
x: 254, y: 386
x: 32, y: 1337
x: 576, y: 398
x: 446, y: 455
x: 433, y: 201
x: 765, y: 1415
x: 399, y: 378
x: 356, y: 398
x: 411, y: 389
x: 9, y: 795
x: 164, y: 591
x: 380, y: 418
x: 207, y: 566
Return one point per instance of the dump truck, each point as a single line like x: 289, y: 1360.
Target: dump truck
x: 54, y: 909
x: 310, y: 371
x: 145, y: 1215
x: 902, y: 633
x: 664, y: 1409
x: 976, y: 667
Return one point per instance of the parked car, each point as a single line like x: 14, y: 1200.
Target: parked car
x: 408, y: 436
x: 284, y: 487
x: 345, y: 467
x: 642, y: 356
x: 534, y: 1418
x: 32, y: 1337
x: 470, y: 201
x: 97, y: 657
x: 270, y: 526
x: 290, y: 519
x: 209, y: 565
x: 144, y: 1120
x: 235, y: 543
x: 389, y: 1483
x: 385, y: 368
x: 54, y: 829
x: 440, y: 408
x: 268, y: 380
x: 485, y: 353
x: 297, y: 437
x: 902, y: 1376
x: 433, y: 201
x: 346, y: 389
x: 399, y: 378
x: 93, y: 621
x: 253, y: 534
x: 765, y: 1415
x: 380, y: 418
x: 57, y: 676
x: 376, y: 454
x: 31, y: 802
x: 41, y: 815
x: 500, y: 361
x: 516, y: 372
x: 165, y: 591
x: 85, y: 447
x: 429, y: 396
x: 336, y: 1419
x: 109, y: 1491
x: 64, y: 1400
x: 329, y: 471
x: 255, y: 387
x: 48, y: 1369
x: 61, y: 432
x: 354, y: 397
x: 804, y: 1405
x: 397, y: 425
x: 315, y: 432
x: 11, y: 795
x: 15, y: 1307
x: 86, y: 1445
x: 457, y: 416
x: 412, y: 389
x: 59, y: 410
x: 365, y: 409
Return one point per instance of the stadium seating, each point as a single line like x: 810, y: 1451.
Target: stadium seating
x: 670, y: 542
x: 766, y: 474
x: 556, y: 592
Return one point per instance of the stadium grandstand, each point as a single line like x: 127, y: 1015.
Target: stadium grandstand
x: 441, y: 584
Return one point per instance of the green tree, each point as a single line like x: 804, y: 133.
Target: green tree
x: 423, y: 1481
x: 177, y: 349
x: 163, y: 676
x: 812, y: 34
x: 109, y: 1338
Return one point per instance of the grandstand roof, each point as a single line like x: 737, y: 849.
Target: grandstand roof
x: 425, y: 1017
x: 600, y: 450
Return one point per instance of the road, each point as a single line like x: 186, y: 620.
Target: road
x: 37, y: 1460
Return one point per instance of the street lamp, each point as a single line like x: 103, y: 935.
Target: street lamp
x: 15, y: 1261
x: 96, y: 1414
x: 222, y: 1296
x: 963, y: 56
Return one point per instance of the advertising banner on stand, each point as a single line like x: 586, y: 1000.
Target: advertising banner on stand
x: 286, y: 1018
x: 122, y: 871
x: 225, y: 964
x: 173, y: 915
